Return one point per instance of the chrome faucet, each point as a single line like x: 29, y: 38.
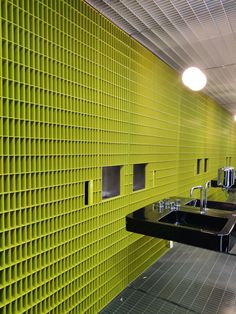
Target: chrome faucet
x: 199, y: 187
x: 207, y: 186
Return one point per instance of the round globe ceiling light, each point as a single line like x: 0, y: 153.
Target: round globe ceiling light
x: 194, y: 78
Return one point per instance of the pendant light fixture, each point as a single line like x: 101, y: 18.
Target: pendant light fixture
x: 194, y: 78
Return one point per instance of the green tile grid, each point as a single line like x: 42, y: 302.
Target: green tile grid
x: 78, y: 94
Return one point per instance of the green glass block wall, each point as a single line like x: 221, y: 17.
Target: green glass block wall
x: 78, y: 94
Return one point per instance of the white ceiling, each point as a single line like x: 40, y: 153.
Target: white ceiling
x: 185, y: 33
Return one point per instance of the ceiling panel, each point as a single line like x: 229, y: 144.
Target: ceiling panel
x: 184, y: 33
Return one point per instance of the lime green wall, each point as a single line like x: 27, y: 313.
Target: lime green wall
x: 77, y: 94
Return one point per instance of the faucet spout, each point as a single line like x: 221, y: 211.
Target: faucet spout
x: 207, y: 186
x: 200, y: 188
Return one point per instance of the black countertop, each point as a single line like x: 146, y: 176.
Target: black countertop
x: 146, y: 221
x: 214, y: 184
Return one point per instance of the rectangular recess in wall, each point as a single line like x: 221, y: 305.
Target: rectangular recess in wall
x: 88, y: 192
x: 205, y: 164
x: 110, y: 181
x: 228, y: 160
x: 139, y: 176
x: 199, y: 166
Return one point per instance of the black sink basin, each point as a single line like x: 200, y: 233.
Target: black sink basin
x: 196, y: 221
x: 214, y: 205
x: 210, y: 231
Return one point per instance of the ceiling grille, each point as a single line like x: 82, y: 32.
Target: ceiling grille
x: 184, y: 33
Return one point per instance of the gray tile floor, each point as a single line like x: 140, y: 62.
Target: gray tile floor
x: 185, y: 280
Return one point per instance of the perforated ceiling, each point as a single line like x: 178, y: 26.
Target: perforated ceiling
x: 185, y: 33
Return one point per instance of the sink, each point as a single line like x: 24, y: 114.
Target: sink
x: 194, y: 220
x: 210, y: 231
x: 214, y: 205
